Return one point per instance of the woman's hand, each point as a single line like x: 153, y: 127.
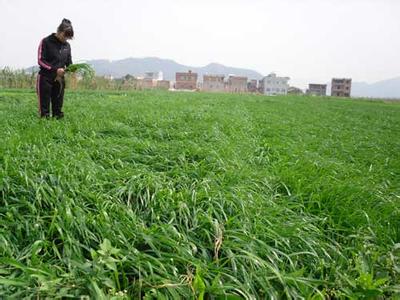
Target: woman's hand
x: 60, y: 72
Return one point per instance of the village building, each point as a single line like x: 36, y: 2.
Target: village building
x: 214, y: 83
x: 341, y: 87
x: 237, y: 84
x: 152, y: 80
x: 274, y: 85
x: 163, y: 84
x: 186, y: 81
x: 261, y: 86
x: 317, y: 89
x: 252, y: 86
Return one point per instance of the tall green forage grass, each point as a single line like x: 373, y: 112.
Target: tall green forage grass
x: 160, y: 195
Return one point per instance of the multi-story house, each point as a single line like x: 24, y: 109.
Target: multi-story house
x: 274, y: 85
x: 186, y: 81
x: 341, y: 87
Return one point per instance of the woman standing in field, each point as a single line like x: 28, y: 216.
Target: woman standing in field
x: 54, y: 55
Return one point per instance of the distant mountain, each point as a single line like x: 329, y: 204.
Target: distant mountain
x: 383, y: 89
x: 138, y: 66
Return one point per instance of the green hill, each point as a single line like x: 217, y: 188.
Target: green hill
x: 216, y: 196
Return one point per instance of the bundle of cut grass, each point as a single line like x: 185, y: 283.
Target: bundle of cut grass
x: 84, y: 69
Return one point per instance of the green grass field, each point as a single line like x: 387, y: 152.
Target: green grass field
x: 159, y: 195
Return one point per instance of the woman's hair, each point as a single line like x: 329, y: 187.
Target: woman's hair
x: 66, y: 27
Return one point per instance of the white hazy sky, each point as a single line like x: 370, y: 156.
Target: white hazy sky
x: 308, y: 40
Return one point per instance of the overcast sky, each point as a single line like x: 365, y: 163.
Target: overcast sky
x: 308, y: 40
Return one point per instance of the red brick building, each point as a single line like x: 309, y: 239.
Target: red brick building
x: 186, y: 81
